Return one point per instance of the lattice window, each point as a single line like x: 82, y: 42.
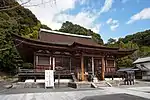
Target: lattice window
x: 62, y: 63
x: 43, y: 60
x: 110, y: 63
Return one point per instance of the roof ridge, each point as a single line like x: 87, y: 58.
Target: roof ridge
x: 63, y: 33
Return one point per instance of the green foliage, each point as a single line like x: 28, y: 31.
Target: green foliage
x: 144, y: 51
x: 9, y: 57
x: 77, y: 29
x: 27, y: 65
x: 19, y: 21
x: 45, y: 27
x: 111, y: 41
x: 139, y: 41
x: 140, y: 38
x: 124, y: 62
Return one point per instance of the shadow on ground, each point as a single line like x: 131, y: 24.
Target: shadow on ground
x: 114, y: 97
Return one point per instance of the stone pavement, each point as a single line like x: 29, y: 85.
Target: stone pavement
x: 97, y: 94
x: 142, y: 89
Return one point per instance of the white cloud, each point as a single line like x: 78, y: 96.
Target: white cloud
x: 114, y: 21
x: 113, y: 27
x: 85, y: 19
x: 107, y: 6
x: 113, y: 24
x: 109, y: 21
x: 144, y: 14
x: 54, y: 14
x: 47, y: 11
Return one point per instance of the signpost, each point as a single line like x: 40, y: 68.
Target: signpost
x: 49, y: 78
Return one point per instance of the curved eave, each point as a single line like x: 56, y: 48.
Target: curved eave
x: 94, y: 46
x: 38, y: 43
x: 115, y: 51
x: 43, y: 43
x: 25, y: 45
x: 123, y: 53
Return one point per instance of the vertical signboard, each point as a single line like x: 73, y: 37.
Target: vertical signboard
x: 49, y: 78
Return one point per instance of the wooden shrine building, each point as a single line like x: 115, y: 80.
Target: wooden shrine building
x: 67, y: 53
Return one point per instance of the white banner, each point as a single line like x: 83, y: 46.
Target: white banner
x: 49, y: 78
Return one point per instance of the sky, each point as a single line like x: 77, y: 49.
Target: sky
x: 109, y: 18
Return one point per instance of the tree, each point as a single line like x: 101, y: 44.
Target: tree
x: 77, y: 29
x: 6, y: 5
x: 45, y: 27
x: 124, y: 62
x: 19, y: 21
x: 121, y: 44
x: 140, y: 38
x: 9, y: 57
x: 138, y: 41
x: 111, y: 41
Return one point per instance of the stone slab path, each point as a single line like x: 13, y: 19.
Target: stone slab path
x: 123, y: 94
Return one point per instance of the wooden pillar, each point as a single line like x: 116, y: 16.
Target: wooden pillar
x: 34, y: 58
x: 114, y: 62
x: 70, y: 64
x: 103, y: 69
x: 106, y: 66
x: 50, y: 63
x: 53, y: 63
x: 82, y: 68
x: 93, y: 66
x: 35, y: 63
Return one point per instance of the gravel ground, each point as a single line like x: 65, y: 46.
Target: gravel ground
x: 108, y: 93
x: 42, y: 90
x: 115, y: 83
x: 4, y: 85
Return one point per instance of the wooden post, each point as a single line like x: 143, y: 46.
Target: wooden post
x: 115, y: 63
x: 82, y: 68
x: 35, y: 63
x: 114, y: 67
x: 53, y: 63
x: 70, y: 64
x: 103, y: 69
x: 34, y: 58
x: 37, y: 60
x: 106, y: 65
x: 58, y: 80
x: 50, y: 62
x: 93, y: 66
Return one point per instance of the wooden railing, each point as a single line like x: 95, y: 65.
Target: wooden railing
x: 110, y: 70
x: 57, y: 72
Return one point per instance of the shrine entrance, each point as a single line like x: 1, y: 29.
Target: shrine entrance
x: 97, y: 67
x: 92, y: 66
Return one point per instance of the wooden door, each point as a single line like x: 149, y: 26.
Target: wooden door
x: 97, y: 67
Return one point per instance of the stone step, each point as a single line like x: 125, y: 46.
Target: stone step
x: 84, y: 84
x: 101, y: 84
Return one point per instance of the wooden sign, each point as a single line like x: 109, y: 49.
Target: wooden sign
x: 49, y: 78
